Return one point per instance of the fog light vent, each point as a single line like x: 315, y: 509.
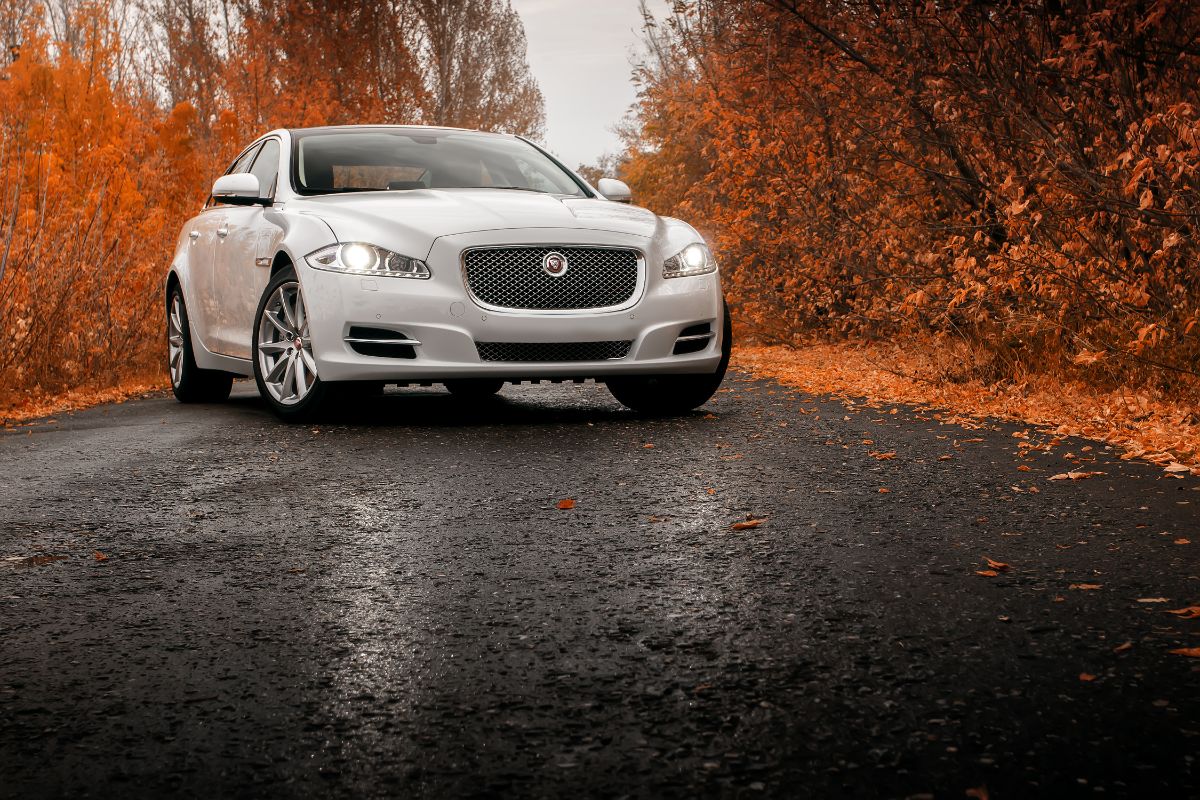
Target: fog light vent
x: 693, y: 339
x: 381, y: 342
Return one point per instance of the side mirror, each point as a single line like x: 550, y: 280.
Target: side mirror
x: 615, y: 190
x: 240, y: 189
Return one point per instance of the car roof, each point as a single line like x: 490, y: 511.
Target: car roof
x: 426, y: 128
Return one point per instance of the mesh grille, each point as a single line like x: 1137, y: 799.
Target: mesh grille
x: 552, y: 351
x: 512, y: 277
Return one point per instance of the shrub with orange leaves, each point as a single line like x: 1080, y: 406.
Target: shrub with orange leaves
x: 1021, y: 177
x: 105, y: 155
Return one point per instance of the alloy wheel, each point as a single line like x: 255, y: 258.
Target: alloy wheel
x: 175, y: 339
x: 285, y: 356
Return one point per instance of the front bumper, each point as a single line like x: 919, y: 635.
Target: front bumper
x: 441, y: 315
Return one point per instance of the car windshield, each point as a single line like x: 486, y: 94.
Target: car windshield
x: 376, y: 159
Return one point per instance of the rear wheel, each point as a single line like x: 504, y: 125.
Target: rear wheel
x: 673, y: 394
x: 474, y: 388
x: 190, y: 383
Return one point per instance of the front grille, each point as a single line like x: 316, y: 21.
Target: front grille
x: 512, y: 277
x: 552, y: 351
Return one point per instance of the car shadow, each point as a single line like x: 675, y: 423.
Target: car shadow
x: 426, y: 407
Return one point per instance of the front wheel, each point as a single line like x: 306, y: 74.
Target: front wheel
x: 673, y: 394
x: 190, y: 383
x: 284, y: 367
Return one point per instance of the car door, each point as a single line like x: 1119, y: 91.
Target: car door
x: 202, y: 302
x: 204, y: 309
x: 242, y: 263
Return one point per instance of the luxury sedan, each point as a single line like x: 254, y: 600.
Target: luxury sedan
x: 330, y: 262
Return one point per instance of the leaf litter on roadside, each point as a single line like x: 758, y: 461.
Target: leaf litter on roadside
x: 750, y: 521
x: 1074, y: 475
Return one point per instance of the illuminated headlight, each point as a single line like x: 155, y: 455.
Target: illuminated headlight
x: 695, y: 259
x: 366, y: 259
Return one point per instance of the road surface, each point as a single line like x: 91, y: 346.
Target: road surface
x: 201, y: 601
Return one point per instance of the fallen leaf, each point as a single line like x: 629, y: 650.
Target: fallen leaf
x: 749, y: 522
x: 1176, y: 468
x: 1181, y: 540
x: 566, y: 504
x: 987, y: 573
x: 1087, y: 677
x: 1074, y: 476
x: 96, y: 554
x: 888, y: 456
x: 1000, y: 565
x: 945, y: 458
x: 37, y: 561
x: 1191, y: 612
x: 1190, y: 652
x: 884, y: 490
x: 1121, y: 648
x: 1085, y: 586
x: 297, y: 571
x: 1153, y: 600
x: 978, y: 793
x: 648, y: 446
x: 1024, y: 468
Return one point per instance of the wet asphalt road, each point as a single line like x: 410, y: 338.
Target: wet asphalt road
x: 394, y: 605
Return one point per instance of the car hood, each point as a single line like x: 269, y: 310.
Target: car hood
x: 414, y: 219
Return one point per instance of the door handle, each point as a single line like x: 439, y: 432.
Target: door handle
x: 223, y: 231
x: 194, y: 235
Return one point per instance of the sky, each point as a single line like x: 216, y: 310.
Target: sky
x: 580, y: 53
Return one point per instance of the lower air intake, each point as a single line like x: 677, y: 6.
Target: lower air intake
x: 552, y: 351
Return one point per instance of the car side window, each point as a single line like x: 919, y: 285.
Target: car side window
x: 243, y: 162
x: 266, y: 168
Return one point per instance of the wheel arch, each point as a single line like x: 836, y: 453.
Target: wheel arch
x: 282, y: 260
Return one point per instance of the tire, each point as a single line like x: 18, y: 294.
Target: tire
x: 474, y: 388
x: 665, y: 395
x: 189, y: 383
x: 294, y: 392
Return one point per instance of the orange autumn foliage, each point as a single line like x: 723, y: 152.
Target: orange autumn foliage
x: 1020, y: 177
x: 108, y: 145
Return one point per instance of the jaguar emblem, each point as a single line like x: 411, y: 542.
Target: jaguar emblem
x: 555, y: 264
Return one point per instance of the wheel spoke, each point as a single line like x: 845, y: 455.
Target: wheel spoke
x: 289, y: 312
x: 309, y: 361
x: 274, y: 347
x: 280, y: 326
x: 299, y: 313
x: 175, y: 339
x: 289, y: 378
x: 275, y: 375
x: 301, y: 380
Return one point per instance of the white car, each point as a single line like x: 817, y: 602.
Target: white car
x: 329, y: 262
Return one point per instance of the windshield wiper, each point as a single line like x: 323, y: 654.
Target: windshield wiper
x: 513, y: 188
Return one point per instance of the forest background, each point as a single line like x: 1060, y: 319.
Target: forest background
x: 984, y: 206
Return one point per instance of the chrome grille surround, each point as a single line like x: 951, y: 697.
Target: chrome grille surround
x: 510, y: 278
x: 549, y: 352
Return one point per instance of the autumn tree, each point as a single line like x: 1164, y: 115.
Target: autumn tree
x: 1021, y: 176
x: 119, y: 113
x: 476, y: 69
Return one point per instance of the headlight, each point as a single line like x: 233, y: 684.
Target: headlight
x: 366, y: 259
x: 695, y: 259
